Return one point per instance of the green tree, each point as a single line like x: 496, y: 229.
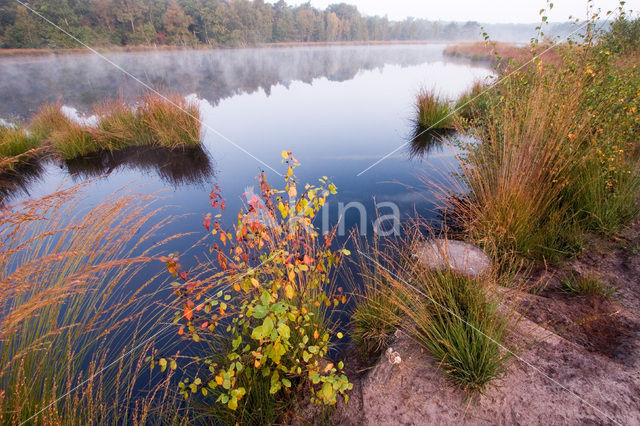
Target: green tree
x: 24, y: 31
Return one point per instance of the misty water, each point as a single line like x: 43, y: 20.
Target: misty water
x: 338, y: 109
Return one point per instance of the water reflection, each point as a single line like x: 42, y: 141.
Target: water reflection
x: 190, y: 166
x: 424, y: 142
x: 18, y: 180
x: 83, y: 80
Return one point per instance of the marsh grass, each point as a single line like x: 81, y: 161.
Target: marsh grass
x: 456, y: 319
x: 473, y: 103
x: 72, y: 300
x: 119, y: 127
x: 433, y: 111
x: 517, y: 175
x: 15, y: 142
x: 556, y: 159
x: 171, y: 123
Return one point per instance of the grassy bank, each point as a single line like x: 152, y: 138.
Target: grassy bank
x: 553, y: 159
x: 155, y: 121
x: 558, y: 157
x: 502, y: 54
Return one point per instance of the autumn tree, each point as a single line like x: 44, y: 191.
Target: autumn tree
x: 176, y: 24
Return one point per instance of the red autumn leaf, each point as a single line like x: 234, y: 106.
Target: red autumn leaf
x: 205, y: 324
x: 188, y: 314
x: 207, y: 222
x: 184, y: 275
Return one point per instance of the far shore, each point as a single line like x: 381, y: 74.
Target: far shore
x: 5, y: 53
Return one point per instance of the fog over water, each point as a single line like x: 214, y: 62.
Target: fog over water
x: 339, y: 109
x: 82, y: 80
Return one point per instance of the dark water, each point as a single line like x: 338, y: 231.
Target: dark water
x: 338, y: 109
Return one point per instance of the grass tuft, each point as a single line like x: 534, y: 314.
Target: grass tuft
x: 433, y: 110
x: 473, y: 103
x: 16, y: 146
x: 586, y: 286
x: 172, y: 124
x: 454, y: 318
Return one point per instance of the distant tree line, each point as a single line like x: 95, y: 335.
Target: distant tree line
x: 209, y: 22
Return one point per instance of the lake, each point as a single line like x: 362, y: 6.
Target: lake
x: 339, y: 109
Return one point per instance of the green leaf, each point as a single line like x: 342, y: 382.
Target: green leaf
x: 265, y: 298
x: 260, y: 311
x: 284, y: 331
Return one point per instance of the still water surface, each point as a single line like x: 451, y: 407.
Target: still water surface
x: 338, y: 109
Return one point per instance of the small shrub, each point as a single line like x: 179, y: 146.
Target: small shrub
x: 586, y: 286
x: 433, y: 111
x: 267, y: 327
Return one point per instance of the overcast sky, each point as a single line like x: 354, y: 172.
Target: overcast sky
x: 490, y: 11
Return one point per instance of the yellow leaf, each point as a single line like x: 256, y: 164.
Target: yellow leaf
x: 284, y: 154
x: 288, y: 291
x: 255, y: 283
x: 219, y: 380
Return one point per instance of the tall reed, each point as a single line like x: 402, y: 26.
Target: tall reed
x: 73, y: 300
